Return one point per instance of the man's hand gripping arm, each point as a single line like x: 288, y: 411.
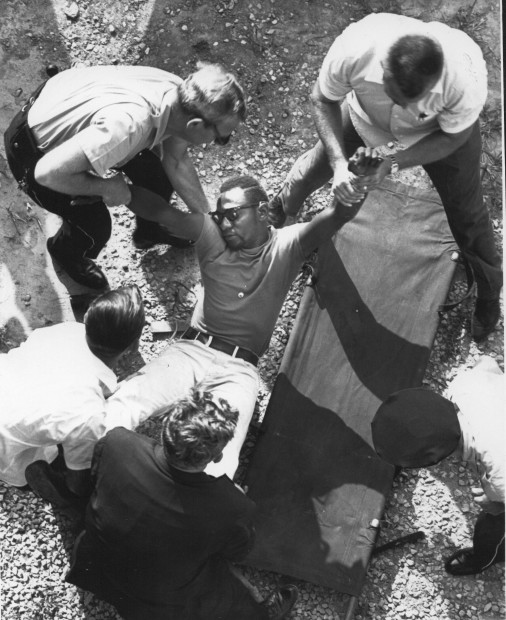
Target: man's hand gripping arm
x: 326, y: 223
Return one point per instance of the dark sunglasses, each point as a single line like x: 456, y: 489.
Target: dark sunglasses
x: 231, y: 214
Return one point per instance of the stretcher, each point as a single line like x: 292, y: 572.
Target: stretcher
x: 363, y: 330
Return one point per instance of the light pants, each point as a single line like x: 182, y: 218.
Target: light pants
x: 182, y: 366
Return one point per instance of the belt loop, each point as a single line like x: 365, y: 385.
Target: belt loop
x: 235, y: 351
x: 209, y: 340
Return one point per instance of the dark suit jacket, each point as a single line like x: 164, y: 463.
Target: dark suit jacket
x: 151, y: 530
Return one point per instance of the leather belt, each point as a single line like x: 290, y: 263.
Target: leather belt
x: 213, y: 342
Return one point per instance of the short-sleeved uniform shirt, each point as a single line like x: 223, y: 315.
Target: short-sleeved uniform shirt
x: 52, y: 391
x: 479, y: 394
x: 243, y: 290
x: 115, y: 112
x: 352, y: 69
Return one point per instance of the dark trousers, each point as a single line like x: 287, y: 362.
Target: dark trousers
x: 215, y: 594
x: 458, y: 182
x: 85, y: 228
x: 488, y: 539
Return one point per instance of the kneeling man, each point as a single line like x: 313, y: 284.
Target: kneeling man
x: 418, y: 428
x: 160, y: 532
x: 53, y: 391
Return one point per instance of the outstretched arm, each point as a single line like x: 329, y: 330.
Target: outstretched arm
x: 153, y: 207
x: 326, y: 223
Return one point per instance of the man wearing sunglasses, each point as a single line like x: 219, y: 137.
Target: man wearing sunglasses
x: 247, y: 269
x: 83, y: 130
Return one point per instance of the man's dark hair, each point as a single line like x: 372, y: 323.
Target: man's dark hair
x: 414, y: 61
x: 196, y: 429
x: 247, y: 183
x: 114, y: 321
x: 211, y: 93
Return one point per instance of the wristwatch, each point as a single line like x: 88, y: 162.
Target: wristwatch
x: 395, y: 165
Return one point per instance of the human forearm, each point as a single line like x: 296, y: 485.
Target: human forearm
x: 329, y: 123
x: 185, y: 181
x: 325, y: 224
x: 153, y: 207
x: 434, y: 147
x: 328, y: 120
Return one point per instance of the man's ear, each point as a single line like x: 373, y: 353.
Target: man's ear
x: 263, y: 210
x: 218, y: 458
x: 195, y: 124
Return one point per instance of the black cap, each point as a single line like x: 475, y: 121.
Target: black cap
x: 415, y: 428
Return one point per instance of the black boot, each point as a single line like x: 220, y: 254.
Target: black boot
x: 50, y: 485
x: 485, y: 318
x: 83, y: 270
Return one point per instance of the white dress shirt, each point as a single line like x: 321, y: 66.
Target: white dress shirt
x: 52, y: 391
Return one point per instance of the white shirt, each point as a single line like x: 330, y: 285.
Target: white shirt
x: 480, y: 394
x: 352, y: 68
x: 114, y: 111
x: 52, y: 391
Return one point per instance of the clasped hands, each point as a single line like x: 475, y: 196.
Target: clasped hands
x: 364, y: 171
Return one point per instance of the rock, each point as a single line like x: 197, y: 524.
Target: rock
x: 72, y: 11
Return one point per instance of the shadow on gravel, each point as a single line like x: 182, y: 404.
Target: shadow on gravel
x: 29, y: 300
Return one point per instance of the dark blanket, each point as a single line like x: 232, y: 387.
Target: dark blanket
x: 364, y: 331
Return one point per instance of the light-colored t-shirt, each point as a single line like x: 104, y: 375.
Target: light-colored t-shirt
x: 52, y: 391
x: 243, y: 290
x: 352, y: 69
x: 480, y: 394
x: 115, y: 111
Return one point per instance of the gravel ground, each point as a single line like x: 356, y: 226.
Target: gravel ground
x: 262, y: 40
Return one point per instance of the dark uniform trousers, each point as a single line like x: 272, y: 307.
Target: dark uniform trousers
x: 85, y: 228
x: 488, y: 539
x: 215, y: 594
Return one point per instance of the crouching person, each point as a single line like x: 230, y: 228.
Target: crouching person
x: 419, y: 428
x: 53, y: 391
x: 160, y: 532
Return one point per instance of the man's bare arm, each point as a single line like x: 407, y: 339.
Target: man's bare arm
x: 181, y: 172
x: 325, y: 224
x: 432, y: 148
x: 328, y: 121
x: 153, y: 207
